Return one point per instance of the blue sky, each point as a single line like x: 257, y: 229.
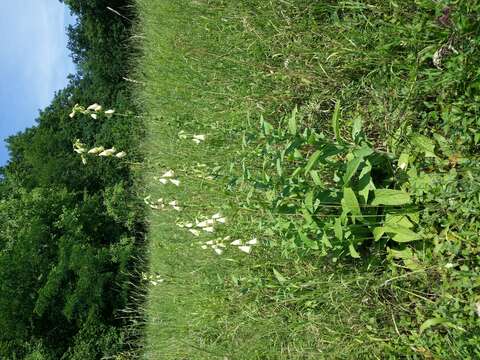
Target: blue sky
x: 34, y: 61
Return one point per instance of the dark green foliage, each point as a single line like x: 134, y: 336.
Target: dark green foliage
x: 70, y: 231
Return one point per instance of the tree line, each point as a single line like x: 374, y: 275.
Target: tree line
x: 70, y: 231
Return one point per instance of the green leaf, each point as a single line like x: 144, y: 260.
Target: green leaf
x: 401, y: 220
x: 312, y: 160
x: 316, y: 178
x: 403, y: 161
x: 405, y: 254
x: 325, y: 241
x: 309, y: 243
x: 335, y: 121
x: 378, y: 233
x: 357, y: 127
x: 338, y: 230
x: 391, y: 197
x: 401, y: 234
x: 292, y: 122
x: 438, y: 321
x: 353, y: 252
x: 352, y: 167
x: 423, y: 143
x: 267, y: 128
x: 309, y: 202
x: 443, y: 144
x: 350, y: 202
x: 281, y: 279
x: 365, y: 183
x: 279, y: 167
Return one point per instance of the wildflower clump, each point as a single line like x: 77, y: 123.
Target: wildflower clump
x: 93, y: 111
x: 161, y: 205
x: 246, y: 246
x: 217, y: 245
x: 81, y: 149
x: 153, y: 279
x: 169, y: 177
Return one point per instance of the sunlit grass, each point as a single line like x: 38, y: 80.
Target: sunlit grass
x: 229, y: 293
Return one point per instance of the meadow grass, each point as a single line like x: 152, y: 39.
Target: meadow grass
x: 213, y: 68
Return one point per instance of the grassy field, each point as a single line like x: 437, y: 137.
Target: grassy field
x: 271, y: 115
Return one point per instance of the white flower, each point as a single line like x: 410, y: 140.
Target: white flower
x: 96, y: 150
x: 163, y: 181
x: 189, y: 225
x: 175, y: 182
x: 84, y: 160
x: 199, y: 137
x: 168, y: 174
x: 209, y: 229
x: 226, y: 238
x: 221, y: 245
x: 94, y: 107
x: 194, y: 232
x: 80, y: 150
x: 236, y: 243
x: 245, y: 249
x: 204, y: 247
x: 108, y: 152
x: 94, y: 116
x: 147, y: 199
x: 210, y: 222
x: 202, y: 224
x: 109, y: 113
x: 216, y: 216
x: 72, y: 114
x: 210, y: 242
x: 196, y: 141
x: 121, y: 154
x: 177, y: 208
x: 221, y: 220
x: 218, y: 251
x: 182, y: 135
x: 254, y: 241
x: 173, y: 203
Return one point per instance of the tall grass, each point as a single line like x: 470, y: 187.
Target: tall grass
x: 214, y: 68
